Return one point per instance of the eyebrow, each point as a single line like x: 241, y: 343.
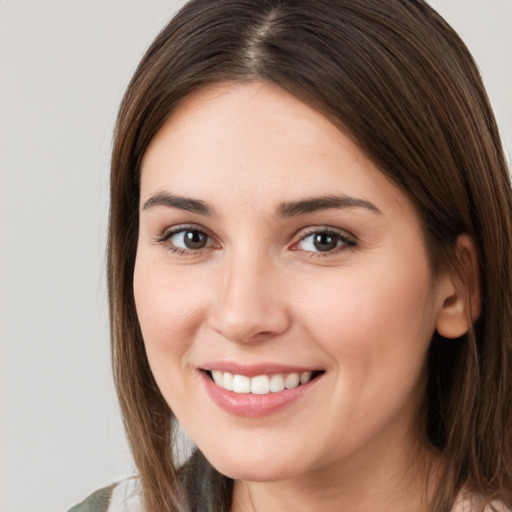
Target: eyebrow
x: 181, y: 203
x: 314, y: 204
x: 286, y: 209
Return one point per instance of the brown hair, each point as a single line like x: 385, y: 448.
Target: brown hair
x: 400, y: 82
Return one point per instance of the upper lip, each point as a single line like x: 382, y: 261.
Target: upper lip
x: 255, y: 369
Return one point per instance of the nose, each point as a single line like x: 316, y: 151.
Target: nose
x: 251, y: 305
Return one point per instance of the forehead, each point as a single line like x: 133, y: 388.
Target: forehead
x: 263, y: 145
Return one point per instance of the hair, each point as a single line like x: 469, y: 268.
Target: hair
x: 396, y: 79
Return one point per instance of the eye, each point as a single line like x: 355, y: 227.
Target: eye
x: 187, y: 239
x: 324, y: 241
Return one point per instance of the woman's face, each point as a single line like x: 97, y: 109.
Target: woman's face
x: 273, y: 252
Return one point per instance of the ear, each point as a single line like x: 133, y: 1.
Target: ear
x: 460, y: 290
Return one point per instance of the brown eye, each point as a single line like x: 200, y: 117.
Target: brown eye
x: 324, y: 241
x: 189, y: 239
x: 195, y: 239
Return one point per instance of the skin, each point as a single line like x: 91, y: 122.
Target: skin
x: 261, y: 291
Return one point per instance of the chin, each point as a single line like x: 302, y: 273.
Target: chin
x: 239, y: 467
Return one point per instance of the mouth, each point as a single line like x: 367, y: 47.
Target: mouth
x: 264, y: 384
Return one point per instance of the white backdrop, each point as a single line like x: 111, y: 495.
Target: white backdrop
x: 63, y: 68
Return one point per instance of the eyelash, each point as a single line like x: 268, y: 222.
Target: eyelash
x: 167, y: 235
x: 345, y: 240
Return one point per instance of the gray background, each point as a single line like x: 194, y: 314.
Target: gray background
x: 63, y: 68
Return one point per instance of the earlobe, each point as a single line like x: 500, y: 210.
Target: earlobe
x: 461, y: 302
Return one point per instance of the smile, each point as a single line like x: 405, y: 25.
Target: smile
x: 257, y: 390
x: 260, y: 384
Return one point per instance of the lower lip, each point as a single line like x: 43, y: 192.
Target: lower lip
x: 253, y: 406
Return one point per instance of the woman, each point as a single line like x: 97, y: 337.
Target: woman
x: 309, y: 264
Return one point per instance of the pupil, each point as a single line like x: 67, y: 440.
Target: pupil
x: 325, y: 242
x: 195, y: 239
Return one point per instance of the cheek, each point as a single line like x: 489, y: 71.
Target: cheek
x: 370, y: 320
x: 376, y: 332
x: 168, y: 310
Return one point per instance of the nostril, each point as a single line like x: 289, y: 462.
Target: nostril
x: 247, y: 312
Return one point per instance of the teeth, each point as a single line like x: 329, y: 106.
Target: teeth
x: 241, y: 384
x: 276, y: 383
x: 227, y: 381
x: 218, y: 378
x: 260, y: 385
x: 291, y: 381
x: 305, y: 377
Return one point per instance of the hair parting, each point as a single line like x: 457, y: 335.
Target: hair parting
x: 401, y: 84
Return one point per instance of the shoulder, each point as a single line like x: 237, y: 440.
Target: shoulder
x: 124, y: 496
x: 470, y: 502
